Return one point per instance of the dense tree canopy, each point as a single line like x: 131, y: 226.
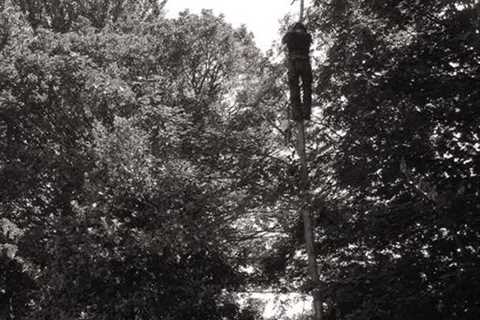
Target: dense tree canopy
x: 126, y: 160
x: 398, y: 85
x: 147, y: 172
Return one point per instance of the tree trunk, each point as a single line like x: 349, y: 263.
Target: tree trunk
x: 307, y: 221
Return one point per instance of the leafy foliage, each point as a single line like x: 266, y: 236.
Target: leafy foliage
x: 149, y: 174
x: 399, y: 88
x: 127, y: 163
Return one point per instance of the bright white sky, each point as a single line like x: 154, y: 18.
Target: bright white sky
x: 260, y: 16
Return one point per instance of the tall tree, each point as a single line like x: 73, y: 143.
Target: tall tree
x: 129, y: 164
x: 399, y: 87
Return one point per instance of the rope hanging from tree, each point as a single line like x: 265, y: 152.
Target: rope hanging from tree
x: 301, y: 10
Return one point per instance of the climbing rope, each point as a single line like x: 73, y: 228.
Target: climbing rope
x: 302, y: 7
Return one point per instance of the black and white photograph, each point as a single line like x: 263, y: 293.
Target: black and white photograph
x: 239, y: 160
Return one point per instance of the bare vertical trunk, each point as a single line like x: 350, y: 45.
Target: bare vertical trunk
x: 307, y: 221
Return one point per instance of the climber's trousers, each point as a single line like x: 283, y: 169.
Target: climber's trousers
x: 299, y: 69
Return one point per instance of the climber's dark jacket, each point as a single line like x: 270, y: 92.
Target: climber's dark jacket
x: 298, y: 43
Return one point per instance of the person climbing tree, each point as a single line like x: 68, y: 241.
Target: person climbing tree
x: 298, y: 42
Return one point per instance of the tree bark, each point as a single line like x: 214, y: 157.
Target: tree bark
x: 307, y: 221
